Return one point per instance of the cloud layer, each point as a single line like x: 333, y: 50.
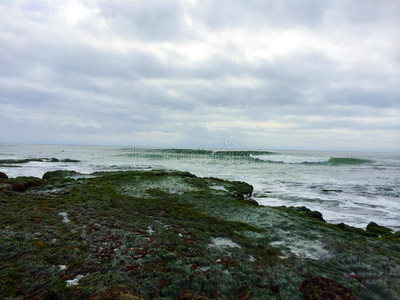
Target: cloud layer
x: 275, y: 74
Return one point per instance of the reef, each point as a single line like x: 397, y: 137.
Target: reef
x: 172, y: 235
x: 15, y: 162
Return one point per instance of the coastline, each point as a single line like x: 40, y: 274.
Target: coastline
x: 355, y: 193
x: 171, y: 234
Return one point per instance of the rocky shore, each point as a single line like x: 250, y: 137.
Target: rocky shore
x: 172, y: 235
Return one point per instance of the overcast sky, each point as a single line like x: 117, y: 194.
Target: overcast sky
x: 321, y: 75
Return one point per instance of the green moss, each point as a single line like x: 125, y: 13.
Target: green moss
x: 302, y: 211
x: 379, y: 230
x: 152, y: 233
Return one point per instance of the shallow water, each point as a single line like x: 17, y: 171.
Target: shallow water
x: 351, y: 187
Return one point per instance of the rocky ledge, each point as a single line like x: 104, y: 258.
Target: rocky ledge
x: 172, y: 235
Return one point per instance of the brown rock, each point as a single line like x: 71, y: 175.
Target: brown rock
x: 357, y: 277
x: 117, y: 293
x: 321, y: 288
x: 3, y: 175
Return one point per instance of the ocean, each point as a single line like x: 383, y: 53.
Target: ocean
x: 346, y: 187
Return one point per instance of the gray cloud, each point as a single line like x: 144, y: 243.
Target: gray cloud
x: 276, y: 74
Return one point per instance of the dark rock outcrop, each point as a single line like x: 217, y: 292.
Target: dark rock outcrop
x: 3, y: 175
x: 70, y: 160
x: 59, y: 174
x: 20, y: 184
x: 304, y: 211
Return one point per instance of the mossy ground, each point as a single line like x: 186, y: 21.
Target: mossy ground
x: 146, y: 235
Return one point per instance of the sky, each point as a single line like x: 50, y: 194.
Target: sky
x: 311, y: 75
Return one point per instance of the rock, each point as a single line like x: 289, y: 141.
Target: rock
x: 241, y: 190
x: 357, y: 277
x: 355, y: 230
x: 304, y: 211
x: 20, y: 184
x: 19, y: 161
x: 59, y: 174
x: 3, y: 175
x: 317, y: 215
x: 331, y: 190
x: 380, y: 230
x: 251, y: 201
x: 70, y: 160
x: 321, y: 288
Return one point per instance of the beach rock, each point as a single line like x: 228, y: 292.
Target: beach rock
x: 251, y: 201
x: 355, y: 230
x: 304, y: 211
x: 59, y: 174
x: 20, y: 184
x: 20, y: 161
x: 321, y: 288
x: 70, y: 160
x: 241, y: 190
x: 3, y: 175
x: 380, y: 230
x: 159, y: 231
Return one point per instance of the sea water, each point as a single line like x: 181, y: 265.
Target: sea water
x: 350, y: 187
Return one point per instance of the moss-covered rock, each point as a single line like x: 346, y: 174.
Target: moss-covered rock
x: 303, y: 211
x: 163, y: 234
x: 377, y: 229
x: 19, y: 184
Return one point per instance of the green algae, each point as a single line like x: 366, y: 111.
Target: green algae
x: 379, y: 230
x: 153, y: 233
